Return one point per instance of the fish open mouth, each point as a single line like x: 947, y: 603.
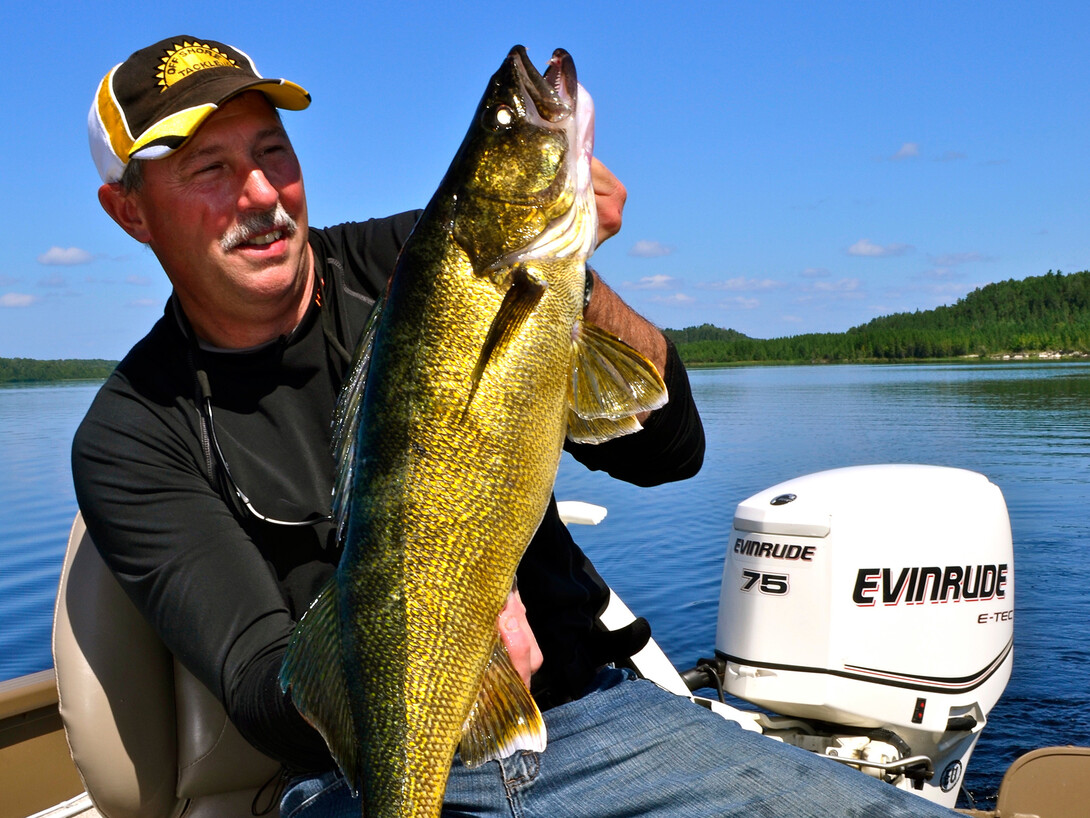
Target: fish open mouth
x: 553, y: 94
x: 562, y: 190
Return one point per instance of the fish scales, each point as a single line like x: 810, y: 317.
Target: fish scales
x: 446, y: 527
x: 453, y: 451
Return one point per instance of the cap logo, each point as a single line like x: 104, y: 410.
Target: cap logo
x: 180, y: 62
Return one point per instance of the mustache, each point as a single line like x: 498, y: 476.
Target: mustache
x: 256, y: 224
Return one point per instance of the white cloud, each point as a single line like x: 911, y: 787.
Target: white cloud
x: 941, y: 274
x: 844, y: 289
x: 866, y: 247
x: 741, y: 301
x: 843, y: 285
x: 659, y: 282
x: 144, y: 302
x: 53, y: 280
x: 909, y: 150
x: 675, y: 300
x: 953, y: 259
x: 138, y: 280
x: 64, y: 257
x: 646, y: 248
x: 816, y: 272
x: 17, y: 300
x: 743, y: 284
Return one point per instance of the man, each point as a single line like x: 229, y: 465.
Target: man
x: 203, y: 472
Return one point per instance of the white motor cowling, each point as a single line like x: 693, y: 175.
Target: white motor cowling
x: 874, y: 606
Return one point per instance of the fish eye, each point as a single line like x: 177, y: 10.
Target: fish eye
x: 501, y: 117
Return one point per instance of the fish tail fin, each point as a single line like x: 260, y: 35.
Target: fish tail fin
x: 610, y: 384
x: 314, y: 673
x: 505, y: 717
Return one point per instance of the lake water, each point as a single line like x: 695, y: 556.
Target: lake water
x: 1025, y: 426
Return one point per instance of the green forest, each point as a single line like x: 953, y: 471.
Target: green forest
x: 1040, y: 316
x: 25, y: 370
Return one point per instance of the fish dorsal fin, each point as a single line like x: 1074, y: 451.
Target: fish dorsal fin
x: 313, y: 673
x: 345, y: 424
x: 518, y: 303
x: 505, y: 718
x: 610, y: 384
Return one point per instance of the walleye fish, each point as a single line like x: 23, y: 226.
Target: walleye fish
x: 476, y: 365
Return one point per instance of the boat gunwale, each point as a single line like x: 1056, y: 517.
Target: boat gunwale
x: 22, y: 694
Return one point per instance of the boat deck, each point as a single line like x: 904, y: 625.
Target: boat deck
x: 36, y: 769
x: 78, y: 807
x: 38, y: 778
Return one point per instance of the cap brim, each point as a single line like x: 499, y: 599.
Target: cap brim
x: 171, y: 132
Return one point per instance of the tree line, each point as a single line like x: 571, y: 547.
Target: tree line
x: 19, y: 370
x: 1048, y: 313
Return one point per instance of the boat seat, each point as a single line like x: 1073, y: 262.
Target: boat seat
x: 149, y: 740
x: 1049, y: 782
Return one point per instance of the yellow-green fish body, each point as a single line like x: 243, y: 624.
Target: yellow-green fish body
x: 475, y: 371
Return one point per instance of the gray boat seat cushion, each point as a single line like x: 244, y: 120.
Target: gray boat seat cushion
x: 148, y: 739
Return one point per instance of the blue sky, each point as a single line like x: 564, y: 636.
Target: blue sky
x: 791, y: 167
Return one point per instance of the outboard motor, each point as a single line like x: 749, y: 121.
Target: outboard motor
x: 871, y: 609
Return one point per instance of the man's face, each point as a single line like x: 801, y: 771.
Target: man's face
x: 214, y: 214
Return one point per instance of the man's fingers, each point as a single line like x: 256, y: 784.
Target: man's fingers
x: 609, y: 198
x: 518, y: 638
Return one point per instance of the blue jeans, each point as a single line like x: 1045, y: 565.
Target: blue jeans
x: 629, y: 748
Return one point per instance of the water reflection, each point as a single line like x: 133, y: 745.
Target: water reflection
x: 37, y: 504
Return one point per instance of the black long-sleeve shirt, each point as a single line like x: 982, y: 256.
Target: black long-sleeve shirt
x: 224, y: 589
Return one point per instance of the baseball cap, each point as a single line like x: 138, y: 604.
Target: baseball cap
x: 149, y: 105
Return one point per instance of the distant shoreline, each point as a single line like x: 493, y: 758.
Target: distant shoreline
x: 997, y: 360
x: 1036, y: 319
x: 32, y: 370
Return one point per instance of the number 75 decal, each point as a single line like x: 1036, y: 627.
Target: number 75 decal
x: 776, y: 584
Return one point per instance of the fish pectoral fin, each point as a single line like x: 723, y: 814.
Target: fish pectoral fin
x: 610, y: 384
x: 314, y: 674
x: 518, y: 303
x: 505, y: 718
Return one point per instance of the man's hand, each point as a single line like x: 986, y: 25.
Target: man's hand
x: 609, y: 198
x: 517, y: 636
